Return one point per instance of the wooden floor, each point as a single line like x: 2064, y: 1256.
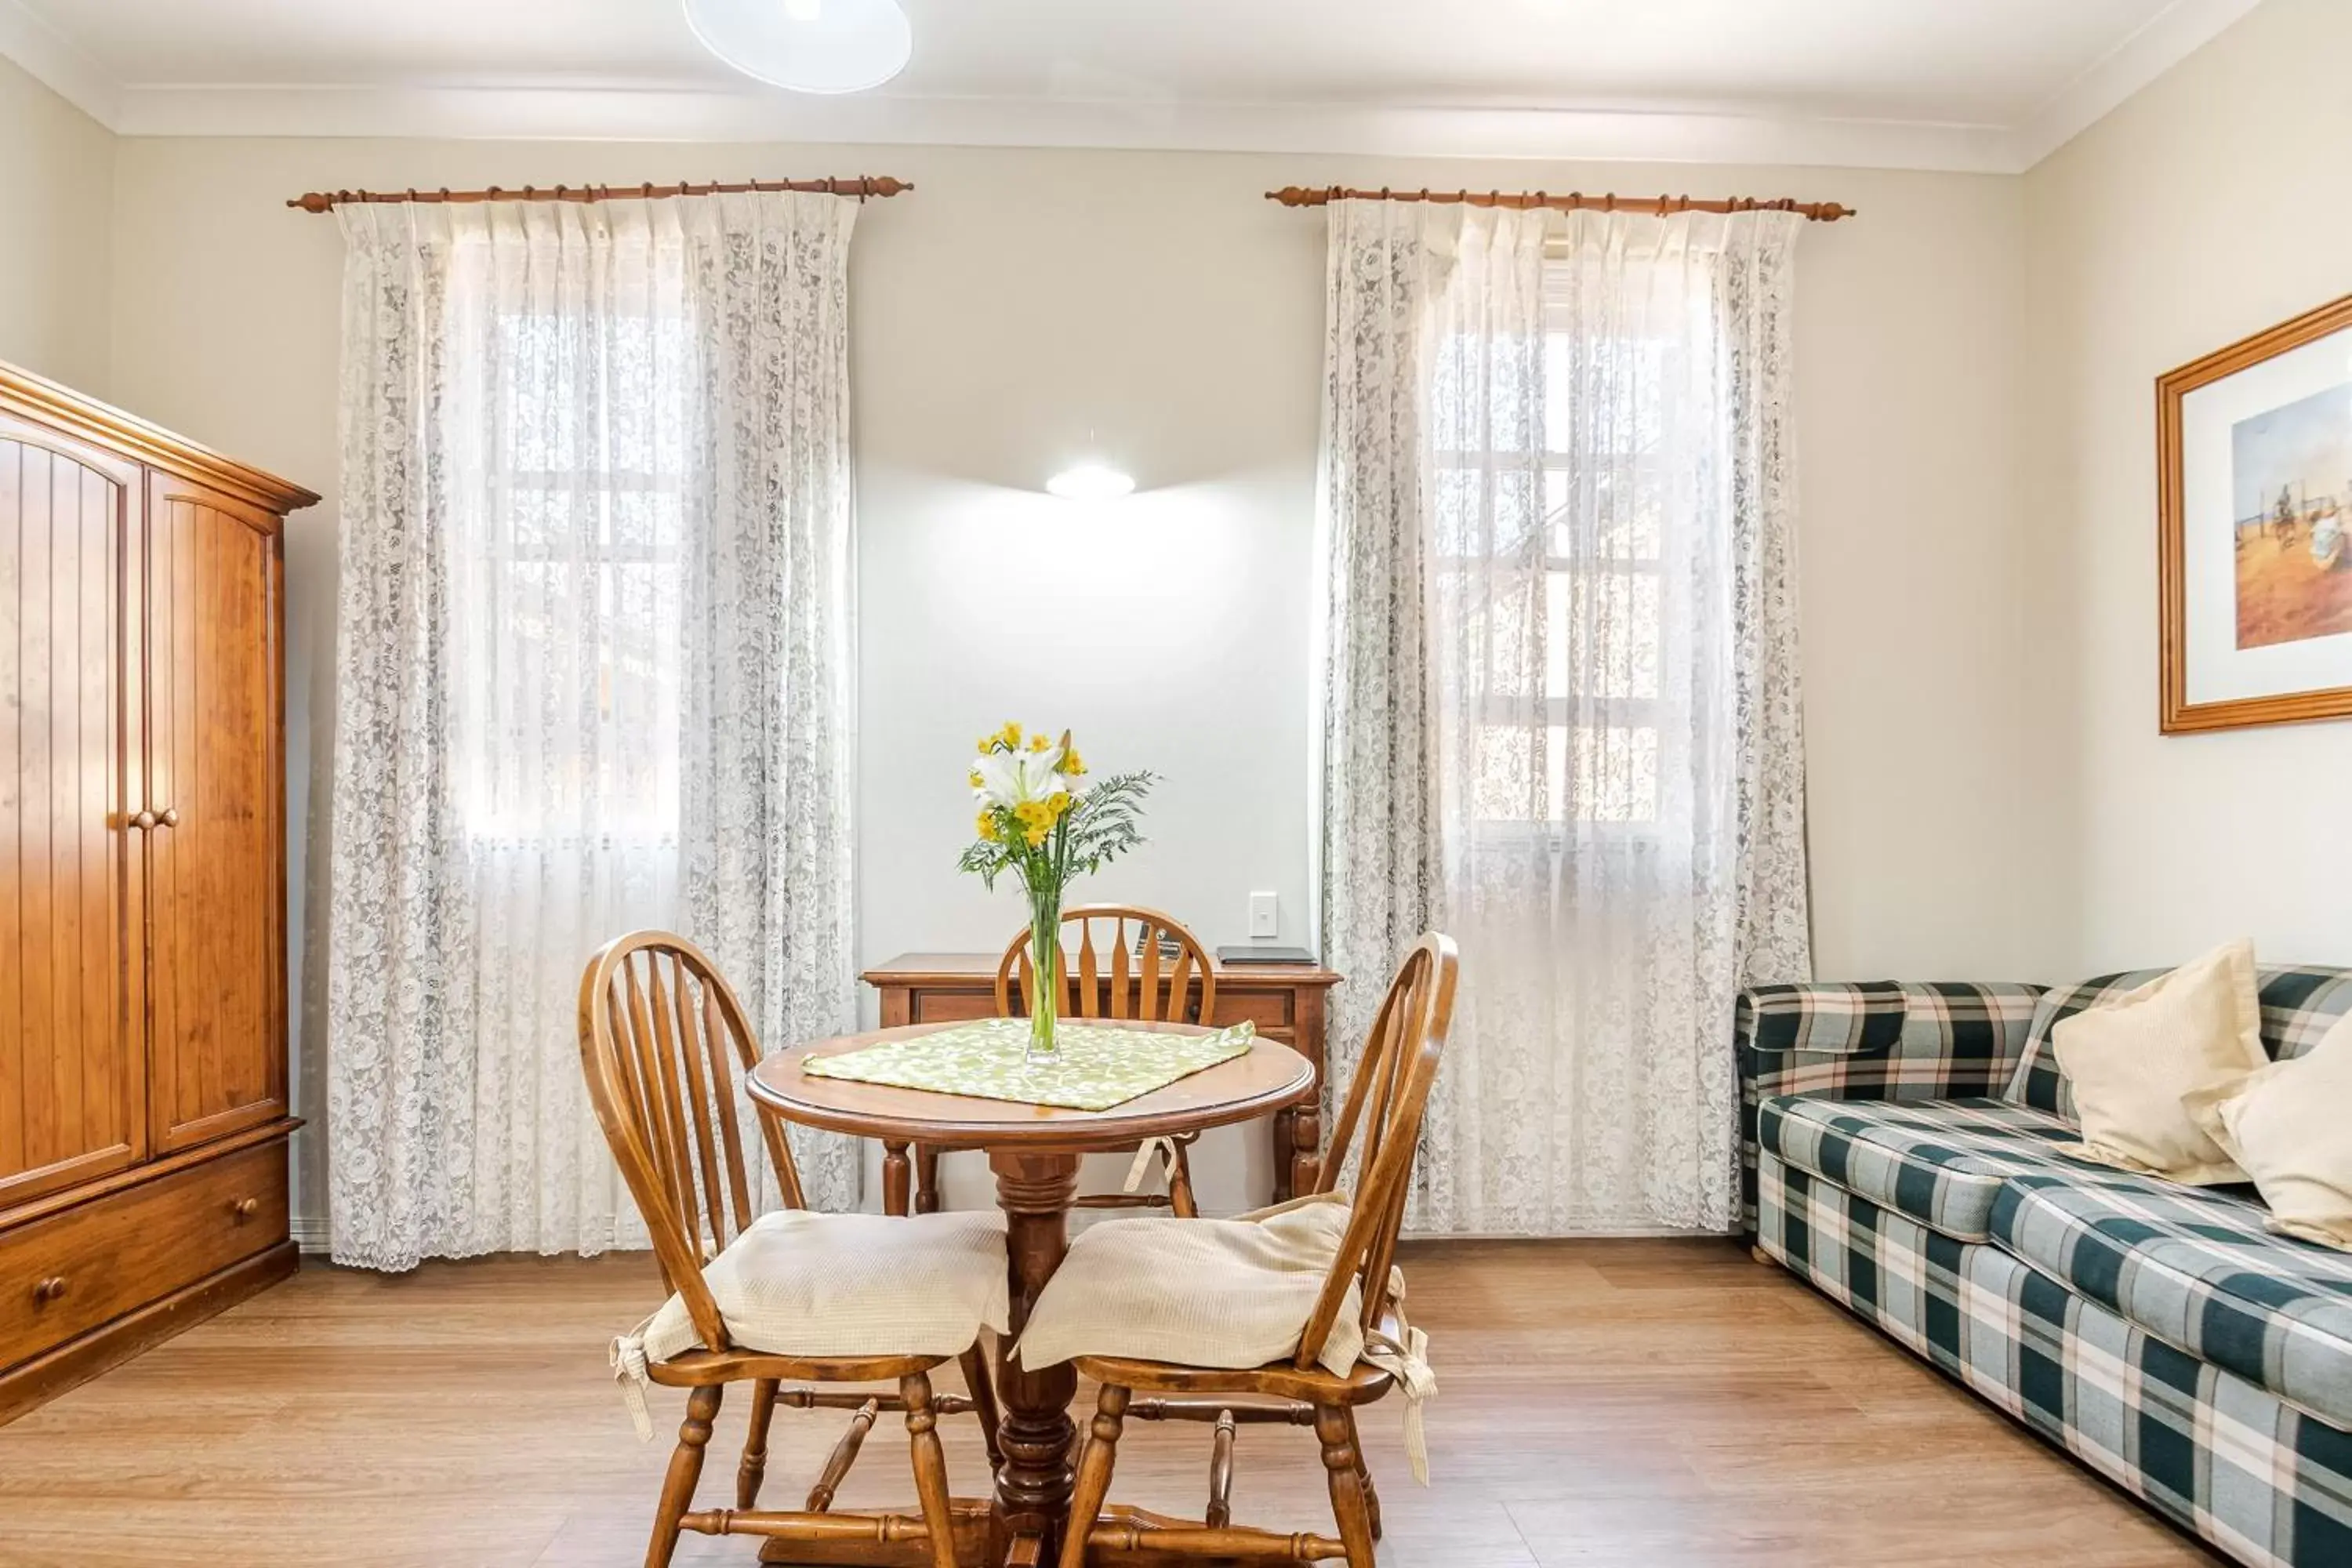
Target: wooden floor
x: 1610, y: 1402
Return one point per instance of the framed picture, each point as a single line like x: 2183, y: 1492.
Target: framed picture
x: 2254, y: 502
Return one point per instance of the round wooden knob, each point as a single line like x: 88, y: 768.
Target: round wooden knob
x: 244, y: 1209
x: 48, y: 1290
x: 143, y: 821
x: 171, y: 817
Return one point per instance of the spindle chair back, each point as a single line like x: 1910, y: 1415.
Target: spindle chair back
x: 1126, y: 977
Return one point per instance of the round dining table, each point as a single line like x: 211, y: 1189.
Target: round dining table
x: 1034, y: 1151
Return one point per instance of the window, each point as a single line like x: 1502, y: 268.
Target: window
x: 1553, y: 523
x: 571, y: 603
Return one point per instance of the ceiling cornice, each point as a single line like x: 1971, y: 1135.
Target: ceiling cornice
x: 2170, y: 37
x: 685, y: 115
x: 641, y: 114
x: 58, y: 62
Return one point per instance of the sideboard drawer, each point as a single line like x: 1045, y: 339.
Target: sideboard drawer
x: 80, y: 1267
x: 945, y: 1006
x: 1271, y: 1011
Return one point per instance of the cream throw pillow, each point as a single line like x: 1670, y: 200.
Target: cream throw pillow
x: 2134, y: 1062
x: 1198, y: 1293
x: 2289, y: 1126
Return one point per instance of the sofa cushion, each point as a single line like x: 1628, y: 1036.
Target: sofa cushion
x: 2300, y: 1002
x: 2195, y: 1267
x: 1939, y: 1161
x: 2133, y: 1062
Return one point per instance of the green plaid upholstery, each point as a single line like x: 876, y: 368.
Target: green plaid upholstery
x: 1880, y: 1040
x: 2194, y: 1267
x: 2300, y: 1002
x: 1941, y: 1164
x: 2262, y: 1481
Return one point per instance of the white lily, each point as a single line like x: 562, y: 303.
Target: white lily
x: 1015, y: 778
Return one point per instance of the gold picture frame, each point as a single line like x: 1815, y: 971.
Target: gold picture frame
x: 2253, y: 414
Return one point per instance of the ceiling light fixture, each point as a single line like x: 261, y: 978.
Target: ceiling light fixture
x: 1090, y: 481
x: 808, y: 45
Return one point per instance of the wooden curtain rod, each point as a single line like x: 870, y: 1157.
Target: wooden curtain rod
x: 862, y: 186
x: 1818, y: 212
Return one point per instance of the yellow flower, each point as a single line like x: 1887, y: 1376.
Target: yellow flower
x: 1072, y: 766
x: 1041, y: 743
x: 1010, y: 736
x: 1060, y: 802
x: 976, y: 780
x: 1036, y: 836
x: 1033, y: 815
x: 987, y: 744
x: 988, y: 826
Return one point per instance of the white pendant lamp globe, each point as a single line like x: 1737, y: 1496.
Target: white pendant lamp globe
x: 808, y: 45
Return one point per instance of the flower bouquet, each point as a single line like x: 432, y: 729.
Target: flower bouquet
x: 1037, y: 821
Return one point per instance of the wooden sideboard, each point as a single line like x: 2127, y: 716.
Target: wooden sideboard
x: 143, y: 938
x: 1286, y: 1002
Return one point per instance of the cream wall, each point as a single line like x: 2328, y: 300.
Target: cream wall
x: 2216, y: 203
x: 57, y: 192
x: 1019, y: 301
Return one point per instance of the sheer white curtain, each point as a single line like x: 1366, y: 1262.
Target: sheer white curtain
x: 1588, y: 642
x: 593, y: 673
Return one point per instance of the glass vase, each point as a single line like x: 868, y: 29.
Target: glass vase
x: 1046, y: 961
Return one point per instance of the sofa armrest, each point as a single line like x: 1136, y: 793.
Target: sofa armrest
x: 1884, y: 1040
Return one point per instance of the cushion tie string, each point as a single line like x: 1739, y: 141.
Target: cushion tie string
x: 628, y: 1356
x: 1406, y: 1359
x: 1144, y: 1152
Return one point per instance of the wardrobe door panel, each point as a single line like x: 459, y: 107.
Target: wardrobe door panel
x: 70, y: 1068
x: 216, y: 785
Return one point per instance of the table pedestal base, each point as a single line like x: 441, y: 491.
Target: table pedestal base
x: 1036, y: 1191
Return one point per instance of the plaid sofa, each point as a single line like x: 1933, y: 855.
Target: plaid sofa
x: 1903, y: 1147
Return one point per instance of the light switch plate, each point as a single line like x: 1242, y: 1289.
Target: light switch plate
x: 1265, y: 921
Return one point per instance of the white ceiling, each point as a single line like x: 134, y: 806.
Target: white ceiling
x: 1976, y: 84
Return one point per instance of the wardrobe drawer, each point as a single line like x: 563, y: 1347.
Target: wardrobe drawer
x: 78, y: 1269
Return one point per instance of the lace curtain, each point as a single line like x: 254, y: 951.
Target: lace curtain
x: 1560, y: 709
x: 592, y: 671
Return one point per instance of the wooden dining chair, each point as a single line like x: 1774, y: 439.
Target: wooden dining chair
x: 662, y: 1041
x: 1126, y: 976
x: 1385, y: 1103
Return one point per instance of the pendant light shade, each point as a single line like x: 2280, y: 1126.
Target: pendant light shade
x: 808, y: 45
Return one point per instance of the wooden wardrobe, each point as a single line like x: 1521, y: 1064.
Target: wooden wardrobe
x: 142, y: 886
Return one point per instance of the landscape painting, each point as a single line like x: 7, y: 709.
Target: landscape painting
x: 2291, y: 483
x: 2254, y: 488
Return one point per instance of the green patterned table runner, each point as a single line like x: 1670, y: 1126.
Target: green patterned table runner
x: 1093, y: 1068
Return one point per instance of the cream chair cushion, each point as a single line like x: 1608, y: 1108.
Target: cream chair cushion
x: 1198, y: 1293
x: 2135, y: 1061
x: 804, y: 1284
x: 2289, y: 1126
